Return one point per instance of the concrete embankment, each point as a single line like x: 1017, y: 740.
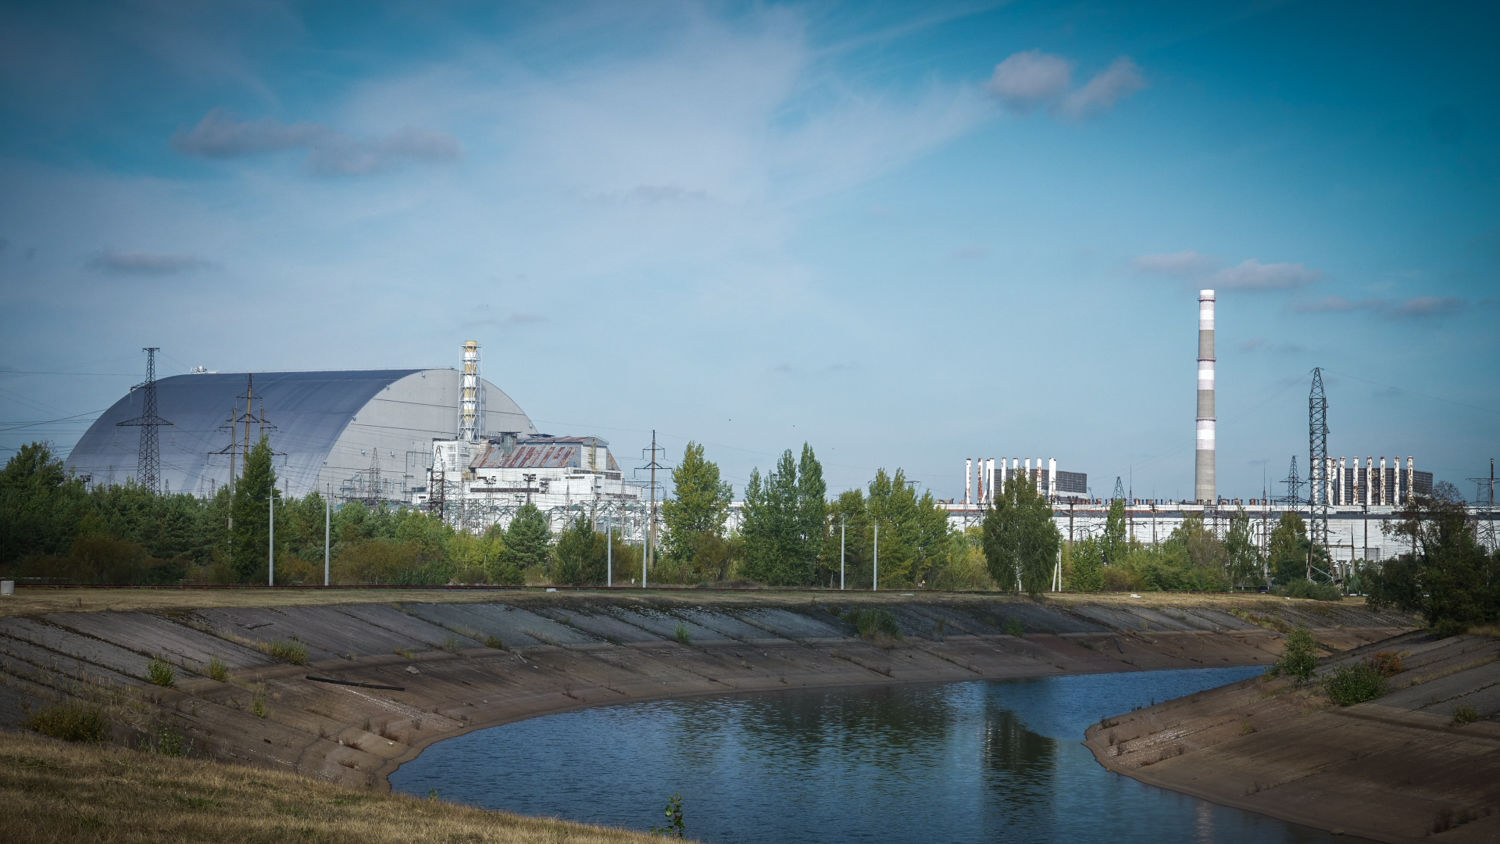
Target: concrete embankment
x: 430, y: 669
x: 1422, y: 762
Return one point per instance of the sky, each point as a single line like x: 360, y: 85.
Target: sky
x: 903, y: 233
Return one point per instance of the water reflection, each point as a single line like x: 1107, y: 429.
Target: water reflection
x: 968, y: 762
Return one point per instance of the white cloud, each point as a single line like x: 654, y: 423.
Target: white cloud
x: 1415, y: 308
x: 1184, y: 263
x: 1121, y: 79
x: 1027, y: 79
x: 1253, y: 275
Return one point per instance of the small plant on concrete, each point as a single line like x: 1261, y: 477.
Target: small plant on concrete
x: 167, y: 742
x: 1300, y: 659
x: 288, y: 650
x: 406, y: 652
x: 450, y: 644
x: 683, y: 635
x: 72, y: 721
x: 1464, y: 715
x: 1386, y: 663
x: 674, y: 827
x: 493, y: 641
x: 1013, y: 627
x: 1351, y: 684
x: 218, y: 670
x: 161, y: 672
x: 258, y: 702
x: 871, y: 622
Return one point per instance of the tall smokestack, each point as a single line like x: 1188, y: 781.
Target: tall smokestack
x: 968, y: 480
x: 471, y: 400
x: 1204, y: 475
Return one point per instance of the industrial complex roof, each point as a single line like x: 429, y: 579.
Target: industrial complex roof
x: 544, y: 453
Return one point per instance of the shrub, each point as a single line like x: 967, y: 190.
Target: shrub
x: 167, y: 742
x: 218, y: 670
x: 1308, y: 589
x: 161, y: 672
x: 1351, y: 684
x: 288, y: 650
x: 872, y: 621
x: 1465, y: 715
x: 258, y: 702
x: 451, y: 644
x: 683, y: 635
x: 1014, y: 627
x: 1386, y: 663
x: 493, y: 641
x: 406, y: 652
x: 1300, y: 658
x: 72, y: 721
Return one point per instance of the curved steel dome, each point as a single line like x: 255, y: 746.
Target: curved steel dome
x: 331, y: 431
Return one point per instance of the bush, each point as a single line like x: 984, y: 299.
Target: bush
x: 218, y: 670
x: 1387, y: 664
x: 1465, y: 715
x: 683, y: 634
x: 1308, y: 589
x: 493, y: 641
x: 72, y: 721
x: 1352, y: 684
x: 1014, y: 627
x: 870, y: 622
x: 161, y: 672
x: 1300, y: 658
x: 288, y: 650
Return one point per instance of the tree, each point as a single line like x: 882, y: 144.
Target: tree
x: 1020, y: 540
x: 527, y: 544
x: 40, y: 506
x: 579, y: 556
x: 782, y: 526
x: 1243, y: 557
x: 849, y: 517
x: 913, y: 531
x: 1083, y: 569
x: 697, y: 512
x: 1114, y: 544
x: 250, y: 539
x: 1448, y: 577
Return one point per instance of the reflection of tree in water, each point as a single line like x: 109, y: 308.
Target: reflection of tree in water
x: 879, y: 725
x: 1020, y: 765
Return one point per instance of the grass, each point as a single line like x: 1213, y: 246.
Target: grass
x: 873, y: 621
x: 161, y: 672
x: 286, y: 650
x: 72, y: 721
x: 1464, y: 715
x: 218, y: 670
x: 61, y: 792
x: 683, y: 635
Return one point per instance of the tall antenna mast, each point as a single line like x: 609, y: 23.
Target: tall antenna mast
x: 148, y: 463
x: 1317, y: 469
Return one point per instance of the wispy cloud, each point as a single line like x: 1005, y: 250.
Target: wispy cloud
x: 145, y: 263
x: 1261, y: 344
x: 1253, y: 275
x: 1121, y: 79
x: 1184, y: 263
x: 1032, y: 79
x: 220, y: 135
x: 1415, y: 308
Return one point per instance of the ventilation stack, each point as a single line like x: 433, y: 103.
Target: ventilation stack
x: 471, y: 400
x: 1205, y: 484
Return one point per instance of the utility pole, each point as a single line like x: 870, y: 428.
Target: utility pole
x: 841, y: 553
x: 653, y: 464
x: 875, y: 585
x: 271, y: 541
x: 327, y: 535
x: 1317, y: 458
x: 148, y: 463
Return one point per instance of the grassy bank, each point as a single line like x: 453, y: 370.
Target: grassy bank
x: 55, y: 791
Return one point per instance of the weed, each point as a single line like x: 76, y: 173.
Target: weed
x: 872, y: 621
x: 258, y: 702
x: 166, y: 741
x: 674, y: 827
x: 406, y: 652
x: 1246, y: 728
x: 450, y: 644
x: 493, y: 641
x: 683, y: 635
x: 1300, y: 658
x: 1464, y: 715
x: 1387, y: 664
x: 218, y: 670
x: 1352, y: 684
x: 1014, y: 627
x: 161, y: 672
x: 287, y: 650
x: 72, y: 721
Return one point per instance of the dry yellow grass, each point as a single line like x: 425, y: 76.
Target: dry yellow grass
x: 55, y: 791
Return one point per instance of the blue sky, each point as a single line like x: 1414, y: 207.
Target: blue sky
x: 904, y: 233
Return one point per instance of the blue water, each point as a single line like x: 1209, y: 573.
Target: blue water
x: 961, y: 762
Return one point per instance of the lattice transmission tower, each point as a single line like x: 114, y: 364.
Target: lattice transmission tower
x: 1317, y: 470
x: 148, y: 463
x: 1294, y: 484
x: 1119, y: 494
